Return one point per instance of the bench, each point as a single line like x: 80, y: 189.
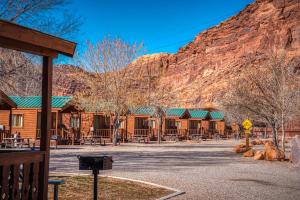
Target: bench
x: 55, y: 184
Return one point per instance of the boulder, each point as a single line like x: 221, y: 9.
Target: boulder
x: 258, y: 155
x: 295, y: 151
x: 241, y: 148
x: 257, y: 142
x: 249, y: 153
x: 268, y: 142
x: 272, y: 153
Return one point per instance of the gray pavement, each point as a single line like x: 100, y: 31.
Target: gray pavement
x: 206, y: 170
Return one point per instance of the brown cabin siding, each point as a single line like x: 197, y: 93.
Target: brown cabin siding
x: 130, y: 125
x: 87, y: 120
x: 4, y: 118
x: 29, y: 123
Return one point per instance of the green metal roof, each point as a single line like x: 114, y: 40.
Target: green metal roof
x: 35, y: 101
x: 197, y: 113
x: 216, y: 115
x: 144, y: 111
x: 175, y: 112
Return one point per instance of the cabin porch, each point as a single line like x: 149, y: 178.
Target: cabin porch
x: 174, y: 129
x: 141, y: 129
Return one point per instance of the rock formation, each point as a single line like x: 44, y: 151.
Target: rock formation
x: 201, y: 70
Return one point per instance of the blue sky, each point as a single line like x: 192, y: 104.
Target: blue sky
x: 162, y: 25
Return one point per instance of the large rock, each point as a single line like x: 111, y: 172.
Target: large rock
x: 258, y: 155
x: 268, y: 142
x: 272, y: 153
x: 249, y: 153
x: 257, y: 142
x: 295, y: 151
x: 241, y: 148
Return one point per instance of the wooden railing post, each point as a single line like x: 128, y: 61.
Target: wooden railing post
x: 45, y: 125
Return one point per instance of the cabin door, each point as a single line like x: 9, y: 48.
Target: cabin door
x: 75, y: 125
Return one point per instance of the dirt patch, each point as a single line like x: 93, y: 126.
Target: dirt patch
x: 81, y: 187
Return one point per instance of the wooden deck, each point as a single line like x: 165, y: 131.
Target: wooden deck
x: 21, y: 176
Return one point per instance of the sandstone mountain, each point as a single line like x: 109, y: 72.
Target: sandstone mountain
x: 199, y: 72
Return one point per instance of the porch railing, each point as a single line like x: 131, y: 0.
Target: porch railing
x: 102, y: 133
x: 52, y: 133
x: 20, y: 176
x: 175, y: 132
x: 141, y: 133
x: 4, y: 134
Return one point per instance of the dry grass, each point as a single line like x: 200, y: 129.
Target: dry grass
x: 81, y: 187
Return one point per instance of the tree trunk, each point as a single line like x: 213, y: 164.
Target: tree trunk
x: 115, y: 130
x: 283, y: 135
x: 159, y: 130
x: 275, y: 135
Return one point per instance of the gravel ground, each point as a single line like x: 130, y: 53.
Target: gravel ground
x: 206, y: 170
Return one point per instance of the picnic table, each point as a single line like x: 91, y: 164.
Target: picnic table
x: 16, y: 142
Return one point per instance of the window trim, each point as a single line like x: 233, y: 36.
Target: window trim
x: 22, y: 124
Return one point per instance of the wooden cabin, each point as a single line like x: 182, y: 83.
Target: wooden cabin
x: 26, y: 117
x: 176, y: 123
x: 6, y: 106
x: 216, y: 123
x: 141, y: 124
x: 198, y: 123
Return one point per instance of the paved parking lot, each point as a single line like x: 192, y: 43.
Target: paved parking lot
x: 206, y: 170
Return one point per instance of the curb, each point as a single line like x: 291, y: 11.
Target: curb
x: 174, y: 194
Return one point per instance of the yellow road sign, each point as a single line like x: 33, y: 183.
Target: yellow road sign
x: 247, y: 124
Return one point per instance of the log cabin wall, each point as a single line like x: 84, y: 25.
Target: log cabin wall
x: 220, y: 126
x: 87, y: 121
x: 205, y: 125
x: 130, y: 125
x: 28, y: 127
x: 4, y: 118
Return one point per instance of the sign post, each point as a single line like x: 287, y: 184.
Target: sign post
x: 247, y: 124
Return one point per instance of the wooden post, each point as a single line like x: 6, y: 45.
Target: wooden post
x: 10, y: 121
x: 126, y: 127
x: 79, y: 127
x: 45, y: 125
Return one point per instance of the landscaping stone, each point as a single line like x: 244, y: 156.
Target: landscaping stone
x: 249, y: 153
x: 272, y: 153
x: 258, y: 155
x: 257, y: 142
x: 241, y: 148
x: 295, y: 151
x: 268, y: 142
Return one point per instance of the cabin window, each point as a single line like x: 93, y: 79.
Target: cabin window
x: 178, y: 124
x: 141, y: 123
x: 171, y: 124
x: 212, y: 125
x: 17, y: 120
x: 101, y: 122
x: 74, y: 122
x: 152, y: 123
x: 123, y: 124
x: 53, y: 120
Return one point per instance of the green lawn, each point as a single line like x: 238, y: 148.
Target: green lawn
x: 81, y: 187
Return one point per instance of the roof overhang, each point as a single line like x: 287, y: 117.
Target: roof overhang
x: 20, y: 38
x: 6, y: 101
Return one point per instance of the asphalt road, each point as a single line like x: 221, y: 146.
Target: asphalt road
x: 208, y: 170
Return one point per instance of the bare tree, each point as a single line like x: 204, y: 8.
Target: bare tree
x: 18, y: 74
x: 39, y: 14
x: 268, y: 94
x: 108, y: 79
